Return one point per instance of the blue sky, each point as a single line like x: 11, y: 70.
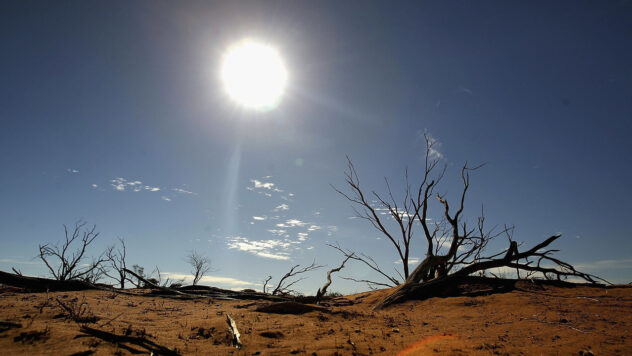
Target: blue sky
x: 114, y: 112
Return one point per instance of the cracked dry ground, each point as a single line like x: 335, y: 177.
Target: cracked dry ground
x: 528, y: 320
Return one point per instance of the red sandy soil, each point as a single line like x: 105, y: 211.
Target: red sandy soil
x: 529, y: 320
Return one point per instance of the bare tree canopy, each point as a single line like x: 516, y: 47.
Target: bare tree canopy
x: 405, y: 213
x: 64, y: 260
x: 453, y: 248
x: 117, y: 259
x: 283, y: 287
x: 200, y: 264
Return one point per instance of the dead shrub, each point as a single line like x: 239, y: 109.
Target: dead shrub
x: 76, y: 311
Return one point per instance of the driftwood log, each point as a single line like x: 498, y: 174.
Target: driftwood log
x: 234, y: 332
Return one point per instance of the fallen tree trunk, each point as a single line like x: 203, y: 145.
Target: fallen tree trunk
x: 37, y: 284
x: 444, y: 284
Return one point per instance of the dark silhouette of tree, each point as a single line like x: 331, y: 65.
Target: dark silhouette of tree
x: 453, y: 247
x: 64, y: 260
x: 117, y: 260
x: 283, y: 287
x: 201, y: 265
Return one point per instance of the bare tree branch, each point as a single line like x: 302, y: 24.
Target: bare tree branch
x: 370, y: 262
x: 321, y: 291
x: 64, y: 264
x: 117, y: 259
x: 283, y: 285
x: 265, y: 283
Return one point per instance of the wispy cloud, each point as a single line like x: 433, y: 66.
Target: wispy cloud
x: 20, y: 262
x: 462, y: 89
x: 95, y: 186
x: 411, y: 261
x: 292, y: 223
x: 122, y: 184
x: 624, y: 263
x: 209, y: 279
x: 261, y: 248
x: 434, y: 152
x: 295, y: 222
x: 183, y: 191
x: 261, y: 185
x: 73, y: 171
x: 260, y: 218
x: 282, y: 207
x: 278, y: 232
x: 165, y: 198
x: 265, y: 187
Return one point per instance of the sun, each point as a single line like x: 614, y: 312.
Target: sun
x: 254, y: 75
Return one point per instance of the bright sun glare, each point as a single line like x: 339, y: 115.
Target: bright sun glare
x: 254, y: 75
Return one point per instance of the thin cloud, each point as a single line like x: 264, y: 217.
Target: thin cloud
x: 20, y: 262
x: 295, y: 223
x: 122, y: 185
x: 434, y: 152
x: 183, y: 191
x: 606, y: 264
x: 260, y: 218
x: 282, y: 207
x: 262, y: 185
x: 462, y: 89
x: 411, y: 261
x: 263, y: 248
x: 73, y: 171
x: 165, y: 198
x: 278, y: 232
x: 208, y: 279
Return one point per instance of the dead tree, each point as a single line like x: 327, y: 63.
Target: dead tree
x: 97, y: 272
x: 283, y: 287
x: 63, y: 262
x: 453, y: 248
x: 265, y: 283
x: 117, y: 259
x: 201, y: 265
x: 404, y: 214
x: 321, y: 291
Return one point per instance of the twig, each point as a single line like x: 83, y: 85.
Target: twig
x: 111, y: 320
x: 535, y: 318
